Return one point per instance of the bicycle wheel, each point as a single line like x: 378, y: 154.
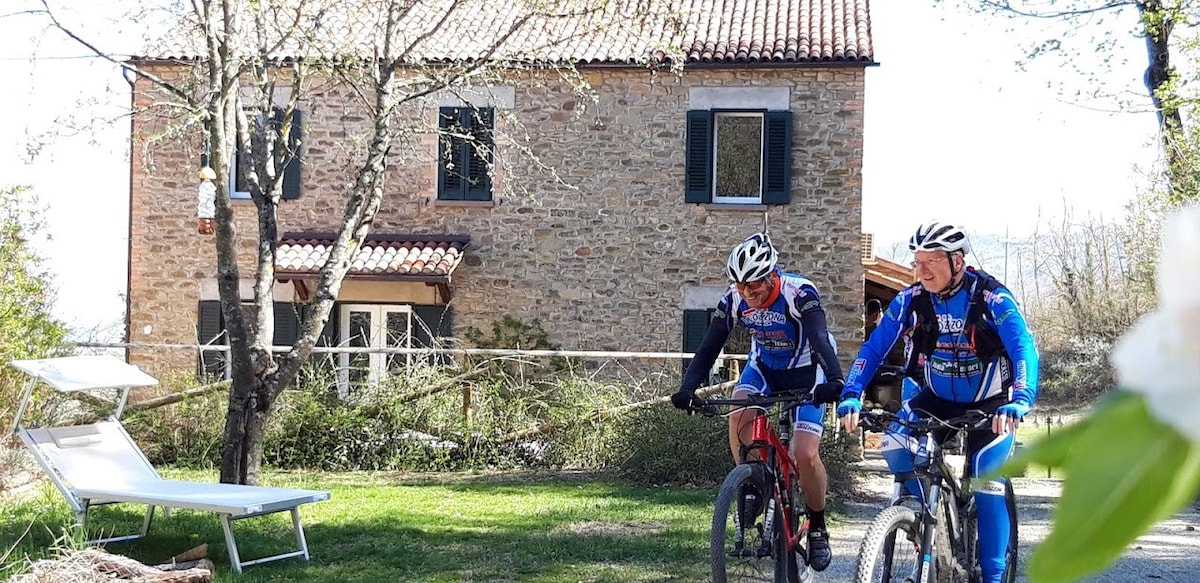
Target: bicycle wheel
x: 738, y: 548
x: 890, y: 550
x: 947, y: 565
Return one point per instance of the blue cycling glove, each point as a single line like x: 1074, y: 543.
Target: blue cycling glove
x: 1009, y: 416
x: 1015, y: 410
x: 849, y: 406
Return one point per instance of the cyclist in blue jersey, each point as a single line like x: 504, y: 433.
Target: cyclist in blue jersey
x: 791, y: 350
x: 970, y: 349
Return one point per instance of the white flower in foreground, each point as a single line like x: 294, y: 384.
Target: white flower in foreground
x: 1160, y: 356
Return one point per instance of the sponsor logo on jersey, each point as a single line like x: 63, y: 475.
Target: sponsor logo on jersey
x: 948, y: 324
x: 763, y: 318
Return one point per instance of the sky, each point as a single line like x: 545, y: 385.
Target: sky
x: 955, y: 129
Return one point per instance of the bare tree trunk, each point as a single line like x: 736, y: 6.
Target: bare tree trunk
x: 245, y: 430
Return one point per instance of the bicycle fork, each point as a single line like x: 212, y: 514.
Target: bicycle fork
x: 930, y: 526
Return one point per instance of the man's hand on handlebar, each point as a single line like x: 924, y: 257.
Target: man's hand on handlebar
x: 829, y: 392
x: 848, y: 410
x: 682, y: 399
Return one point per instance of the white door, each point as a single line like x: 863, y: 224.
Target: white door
x: 371, y: 326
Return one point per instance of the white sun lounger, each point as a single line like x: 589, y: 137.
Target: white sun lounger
x: 99, y: 463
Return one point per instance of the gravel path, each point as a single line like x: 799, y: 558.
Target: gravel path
x: 1170, y: 552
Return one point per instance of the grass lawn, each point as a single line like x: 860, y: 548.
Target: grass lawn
x: 388, y: 527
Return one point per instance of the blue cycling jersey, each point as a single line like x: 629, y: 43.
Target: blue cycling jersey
x: 953, y: 371
x: 789, y: 333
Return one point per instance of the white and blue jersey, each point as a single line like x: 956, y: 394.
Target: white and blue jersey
x: 789, y: 341
x: 953, y: 371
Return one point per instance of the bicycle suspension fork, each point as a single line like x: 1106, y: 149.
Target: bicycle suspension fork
x: 928, y: 517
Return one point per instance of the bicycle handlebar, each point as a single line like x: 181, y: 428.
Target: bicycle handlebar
x: 709, y: 407
x: 969, y: 421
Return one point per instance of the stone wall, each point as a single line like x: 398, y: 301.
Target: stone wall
x: 588, y: 232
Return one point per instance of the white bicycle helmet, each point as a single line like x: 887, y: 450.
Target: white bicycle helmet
x: 752, y: 260
x: 938, y: 236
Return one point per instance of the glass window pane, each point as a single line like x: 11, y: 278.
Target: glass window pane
x: 359, y: 336
x: 398, y: 337
x: 738, y: 155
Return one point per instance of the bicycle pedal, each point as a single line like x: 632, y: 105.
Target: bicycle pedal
x: 763, y: 550
x: 739, y: 552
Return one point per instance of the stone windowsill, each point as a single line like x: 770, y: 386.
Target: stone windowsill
x: 463, y: 203
x: 758, y: 208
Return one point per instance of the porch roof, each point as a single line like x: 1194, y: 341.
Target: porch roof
x: 399, y: 257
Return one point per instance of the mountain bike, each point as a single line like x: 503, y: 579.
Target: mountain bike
x: 760, y: 519
x: 935, y: 540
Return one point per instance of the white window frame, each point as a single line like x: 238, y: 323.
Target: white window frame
x: 234, y: 193
x: 377, y: 362
x: 749, y: 199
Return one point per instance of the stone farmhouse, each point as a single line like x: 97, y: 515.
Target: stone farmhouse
x: 620, y: 247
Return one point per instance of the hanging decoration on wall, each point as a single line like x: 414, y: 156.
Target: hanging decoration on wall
x: 206, y: 202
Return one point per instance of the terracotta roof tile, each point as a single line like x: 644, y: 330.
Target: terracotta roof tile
x: 384, y: 256
x: 622, y: 32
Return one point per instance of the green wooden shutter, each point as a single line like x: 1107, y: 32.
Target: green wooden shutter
x: 695, y: 325
x: 433, y: 322
x: 287, y: 324
x: 291, y: 172
x: 210, y: 330
x: 777, y: 158
x: 451, y: 185
x: 698, y: 174
x: 479, y: 153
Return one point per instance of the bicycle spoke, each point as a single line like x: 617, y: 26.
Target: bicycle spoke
x: 899, y: 561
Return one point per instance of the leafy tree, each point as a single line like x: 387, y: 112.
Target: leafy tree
x: 253, y: 56
x: 27, y: 328
x: 1166, y: 27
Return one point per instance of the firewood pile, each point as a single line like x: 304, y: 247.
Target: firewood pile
x: 96, y: 565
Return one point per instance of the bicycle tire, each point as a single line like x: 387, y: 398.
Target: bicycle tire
x: 741, y: 569
x: 878, y: 549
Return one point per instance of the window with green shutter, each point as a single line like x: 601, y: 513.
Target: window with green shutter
x: 210, y: 331
x: 465, y: 153
x: 242, y: 164
x: 695, y: 324
x: 738, y: 157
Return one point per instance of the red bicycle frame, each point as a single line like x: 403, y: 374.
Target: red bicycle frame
x: 761, y: 432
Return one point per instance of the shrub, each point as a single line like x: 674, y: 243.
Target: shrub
x: 188, y: 433
x: 27, y: 330
x: 659, y: 444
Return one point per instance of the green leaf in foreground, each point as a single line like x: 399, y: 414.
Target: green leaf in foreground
x: 1125, y: 472
x: 1053, y: 450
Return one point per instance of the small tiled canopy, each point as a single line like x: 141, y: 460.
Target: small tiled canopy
x: 391, y: 257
